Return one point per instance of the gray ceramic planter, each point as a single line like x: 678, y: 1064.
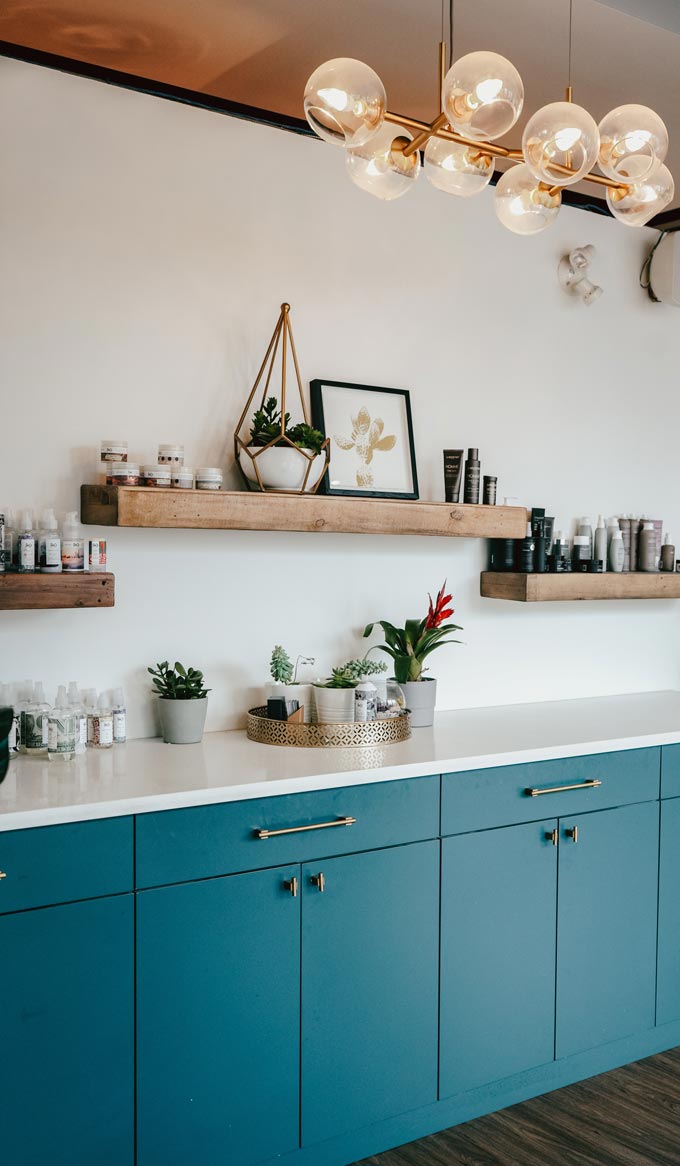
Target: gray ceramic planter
x: 182, y: 721
x: 421, y: 697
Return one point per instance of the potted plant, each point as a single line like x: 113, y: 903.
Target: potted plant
x: 284, y: 682
x: 410, y: 646
x: 334, y: 697
x: 284, y: 453
x: 182, y: 700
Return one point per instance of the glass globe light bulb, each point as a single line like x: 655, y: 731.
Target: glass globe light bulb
x: 642, y: 199
x: 379, y: 168
x: 482, y: 96
x: 521, y: 205
x: 345, y: 102
x: 633, y: 141
x: 457, y: 169
x: 560, y: 143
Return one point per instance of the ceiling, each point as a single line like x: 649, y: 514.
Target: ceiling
x: 260, y: 52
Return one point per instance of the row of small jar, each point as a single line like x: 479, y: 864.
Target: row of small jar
x: 168, y: 471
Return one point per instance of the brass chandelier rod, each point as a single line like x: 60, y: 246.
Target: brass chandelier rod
x: 440, y: 129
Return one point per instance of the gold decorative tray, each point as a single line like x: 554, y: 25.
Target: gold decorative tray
x: 346, y: 735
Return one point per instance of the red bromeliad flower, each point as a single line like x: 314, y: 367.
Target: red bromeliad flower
x: 438, y: 612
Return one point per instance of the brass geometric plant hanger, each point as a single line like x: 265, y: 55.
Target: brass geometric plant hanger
x: 283, y: 334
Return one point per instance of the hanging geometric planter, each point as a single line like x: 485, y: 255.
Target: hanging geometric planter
x: 273, y: 454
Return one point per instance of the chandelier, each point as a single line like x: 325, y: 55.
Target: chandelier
x: 481, y: 99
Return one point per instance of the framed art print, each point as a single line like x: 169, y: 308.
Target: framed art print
x: 371, y: 434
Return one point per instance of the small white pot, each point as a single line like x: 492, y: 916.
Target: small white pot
x: 334, y: 705
x: 283, y: 467
x: 421, y: 697
x: 304, y: 693
x: 182, y: 721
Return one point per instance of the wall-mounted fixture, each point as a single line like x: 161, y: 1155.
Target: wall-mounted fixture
x: 572, y: 273
x: 481, y: 99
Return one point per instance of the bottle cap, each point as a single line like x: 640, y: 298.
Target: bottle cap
x: 528, y: 533
x: 26, y: 519
x: 473, y: 454
x: 586, y: 520
x: 118, y: 697
x: 600, y: 522
x: 667, y: 540
x: 61, y: 701
x: 38, y: 692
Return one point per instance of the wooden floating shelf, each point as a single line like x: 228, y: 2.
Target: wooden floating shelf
x: 549, y: 588
x: 89, y: 589
x: 242, y: 510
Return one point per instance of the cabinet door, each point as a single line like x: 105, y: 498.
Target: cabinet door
x: 499, y: 901
x: 668, y: 983
x: 67, y: 1035
x: 218, y: 1020
x: 606, y: 926
x: 369, y: 987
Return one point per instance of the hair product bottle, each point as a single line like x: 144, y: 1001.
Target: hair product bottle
x: 472, y: 472
x: 61, y: 732
x: 647, y: 547
x: 73, y: 543
x: 668, y: 554
x: 36, y: 719
x: 26, y: 544
x: 119, y: 717
x: 78, y: 710
x: 49, y: 545
x: 617, y: 553
x: 600, y: 543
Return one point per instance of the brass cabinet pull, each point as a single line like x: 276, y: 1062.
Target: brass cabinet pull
x: 303, y: 829
x: 2, y: 874
x: 319, y: 881
x: 532, y: 792
x: 572, y: 832
x: 292, y: 886
x: 552, y: 836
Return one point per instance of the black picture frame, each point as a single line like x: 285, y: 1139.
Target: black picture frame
x: 319, y: 420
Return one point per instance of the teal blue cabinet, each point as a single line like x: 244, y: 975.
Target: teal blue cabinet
x: 218, y: 1020
x: 369, y: 987
x: 606, y: 931
x: 67, y: 1035
x: 668, y: 973
x: 499, y: 890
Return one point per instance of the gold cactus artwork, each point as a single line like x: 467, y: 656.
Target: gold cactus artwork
x: 366, y: 438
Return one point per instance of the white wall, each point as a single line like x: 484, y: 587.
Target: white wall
x: 145, y: 249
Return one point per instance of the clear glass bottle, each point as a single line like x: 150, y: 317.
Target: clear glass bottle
x: 11, y: 542
x: 102, y: 725
x: 36, y: 719
x: 26, y: 544
x: 72, y: 543
x: 61, y: 734
x: 49, y: 544
x: 90, y: 705
x: 78, y: 710
x: 119, y: 717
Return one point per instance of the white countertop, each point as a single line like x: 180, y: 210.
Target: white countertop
x: 148, y: 775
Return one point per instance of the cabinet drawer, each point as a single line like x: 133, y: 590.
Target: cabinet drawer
x: 59, y: 864
x: 486, y: 798
x: 670, y: 771
x: 179, y: 845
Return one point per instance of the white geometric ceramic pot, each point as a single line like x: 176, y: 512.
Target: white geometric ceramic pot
x: 282, y: 467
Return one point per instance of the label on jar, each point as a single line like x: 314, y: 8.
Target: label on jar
x: 35, y: 731
x: 73, y: 554
x: 60, y: 737
x: 102, y: 730
x: 81, y: 729
x: 97, y: 554
x: 119, y: 728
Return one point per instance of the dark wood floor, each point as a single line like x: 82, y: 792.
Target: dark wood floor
x: 629, y: 1117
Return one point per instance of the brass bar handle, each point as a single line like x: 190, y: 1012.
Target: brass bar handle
x: 572, y: 832
x: 292, y: 886
x: 552, y: 836
x: 319, y: 881
x: 303, y: 829
x: 2, y: 874
x: 532, y: 792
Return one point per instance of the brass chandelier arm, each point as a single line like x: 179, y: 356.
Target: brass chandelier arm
x: 436, y: 129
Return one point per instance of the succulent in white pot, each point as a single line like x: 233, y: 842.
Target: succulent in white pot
x: 183, y: 702
x: 286, y: 457
x: 285, y: 684
x: 334, y: 698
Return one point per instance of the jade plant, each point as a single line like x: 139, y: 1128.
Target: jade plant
x: 410, y: 646
x: 281, y: 666
x: 178, y: 683
x: 269, y: 428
